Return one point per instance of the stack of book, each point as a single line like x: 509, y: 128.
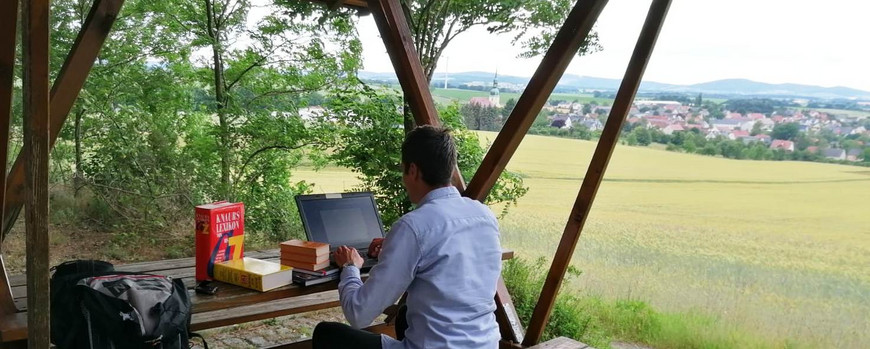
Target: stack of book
x: 310, y: 261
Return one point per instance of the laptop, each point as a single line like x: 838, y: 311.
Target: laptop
x: 349, y: 219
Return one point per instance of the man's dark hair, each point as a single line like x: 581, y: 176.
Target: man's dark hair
x: 433, y: 151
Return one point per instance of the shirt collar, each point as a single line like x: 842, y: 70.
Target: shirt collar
x: 443, y: 192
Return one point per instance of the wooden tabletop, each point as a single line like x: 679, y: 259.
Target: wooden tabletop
x: 231, y: 304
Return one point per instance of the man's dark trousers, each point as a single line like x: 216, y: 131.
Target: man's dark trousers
x: 333, y: 335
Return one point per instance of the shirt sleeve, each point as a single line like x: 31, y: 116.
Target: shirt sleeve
x: 397, y: 265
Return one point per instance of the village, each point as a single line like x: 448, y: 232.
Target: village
x: 671, y: 117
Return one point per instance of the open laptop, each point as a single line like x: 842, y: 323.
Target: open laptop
x: 349, y: 219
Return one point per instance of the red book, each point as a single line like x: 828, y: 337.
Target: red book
x: 304, y: 248
x: 306, y: 266
x: 220, y: 234
x: 305, y: 259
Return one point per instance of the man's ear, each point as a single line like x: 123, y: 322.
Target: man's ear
x: 414, y: 171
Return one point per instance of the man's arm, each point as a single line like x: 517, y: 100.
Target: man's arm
x: 396, y: 268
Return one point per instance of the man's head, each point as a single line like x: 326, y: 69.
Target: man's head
x: 428, y: 160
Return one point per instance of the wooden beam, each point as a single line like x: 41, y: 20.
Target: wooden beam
x: 394, y: 30
x: 64, y: 93
x: 7, y: 299
x: 334, y: 4
x: 576, y: 28
x: 8, y: 30
x: 352, y: 4
x: 621, y: 105
x: 35, y: 18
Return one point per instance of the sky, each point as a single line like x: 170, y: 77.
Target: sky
x: 822, y: 43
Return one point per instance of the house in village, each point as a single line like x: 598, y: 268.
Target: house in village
x: 483, y: 102
x: 738, y: 134
x: 854, y: 155
x: 766, y: 124
x: 714, y: 133
x: 729, y: 124
x: 562, y: 121
x: 834, y: 154
x: 592, y: 124
x: 783, y: 145
x: 670, y: 129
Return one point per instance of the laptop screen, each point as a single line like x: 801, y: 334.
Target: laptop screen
x: 340, y: 219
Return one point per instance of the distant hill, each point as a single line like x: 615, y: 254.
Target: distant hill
x: 732, y: 87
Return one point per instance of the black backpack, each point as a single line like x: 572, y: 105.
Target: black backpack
x: 94, y: 306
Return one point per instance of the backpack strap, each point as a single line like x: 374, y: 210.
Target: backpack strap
x: 197, y: 335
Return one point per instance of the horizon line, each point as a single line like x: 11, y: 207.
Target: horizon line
x: 436, y: 76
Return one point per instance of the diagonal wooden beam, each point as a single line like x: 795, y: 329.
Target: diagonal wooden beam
x: 35, y: 57
x: 621, y: 105
x: 8, y: 30
x: 576, y: 28
x: 64, y: 93
x: 394, y: 30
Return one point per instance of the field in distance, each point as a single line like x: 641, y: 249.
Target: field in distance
x: 780, y: 249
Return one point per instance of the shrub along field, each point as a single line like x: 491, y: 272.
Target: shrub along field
x: 764, y: 253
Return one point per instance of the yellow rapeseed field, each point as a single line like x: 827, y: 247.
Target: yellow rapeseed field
x: 781, y: 249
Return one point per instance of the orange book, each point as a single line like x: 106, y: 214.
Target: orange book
x: 305, y: 248
x: 306, y: 266
x: 305, y: 259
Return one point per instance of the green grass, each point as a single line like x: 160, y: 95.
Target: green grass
x: 778, y: 250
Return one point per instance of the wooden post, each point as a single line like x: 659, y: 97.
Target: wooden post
x: 35, y: 18
x: 621, y: 105
x: 64, y: 92
x: 564, y: 47
x: 394, y: 30
x: 8, y: 30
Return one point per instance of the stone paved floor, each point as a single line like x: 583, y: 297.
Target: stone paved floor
x: 270, y: 332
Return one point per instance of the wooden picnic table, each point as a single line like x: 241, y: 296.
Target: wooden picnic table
x: 230, y: 305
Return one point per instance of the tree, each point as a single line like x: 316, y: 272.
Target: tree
x: 756, y: 129
x: 255, y: 64
x: 786, y: 131
x: 866, y: 155
x: 698, y: 100
x: 642, y: 136
x: 508, y: 107
x: 533, y: 24
x: 369, y: 139
x: 478, y: 117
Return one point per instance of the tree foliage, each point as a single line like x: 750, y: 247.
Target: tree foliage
x: 532, y: 23
x: 786, y: 131
x: 368, y: 125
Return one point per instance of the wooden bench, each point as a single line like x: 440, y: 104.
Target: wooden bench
x: 231, y: 305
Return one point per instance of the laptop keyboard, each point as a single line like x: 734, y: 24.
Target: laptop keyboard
x: 368, y: 262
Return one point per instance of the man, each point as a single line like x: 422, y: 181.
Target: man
x: 445, y: 254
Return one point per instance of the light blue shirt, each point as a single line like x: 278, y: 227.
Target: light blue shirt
x: 446, y: 254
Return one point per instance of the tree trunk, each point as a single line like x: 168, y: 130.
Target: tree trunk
x: 77, y: 176
x: 408, y: 117
x: 220, y: 101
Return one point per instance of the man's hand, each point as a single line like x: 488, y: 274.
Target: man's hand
x: 375, y: 247
x: 346, y: 254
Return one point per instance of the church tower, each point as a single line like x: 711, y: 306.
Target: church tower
x: 494, y: 93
